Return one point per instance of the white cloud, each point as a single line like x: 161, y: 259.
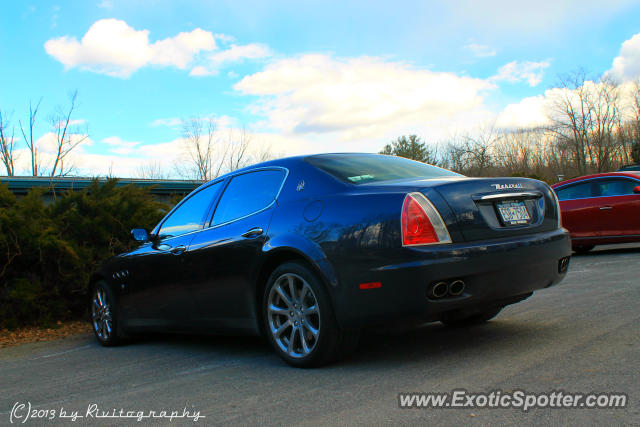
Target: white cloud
x: 515, y: 71
x: 173, y: 150
x: 529, y: 113
x: 118, y: 146
x: 433, y: 132
x: 169, y: 122
x: 200, y: 71
x: 240, y: 52
x: 626, y: 66
x: 77, y: 122
x: 538, y: 110
x: 236, y: 53
x: 358, y: 96
x: 480, y: 50
x: 224, y: 38
x: 47, y: 144
x: 112, y: 47
x: 181, y: 49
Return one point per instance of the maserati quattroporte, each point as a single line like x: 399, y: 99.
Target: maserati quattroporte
x: 309, y: 250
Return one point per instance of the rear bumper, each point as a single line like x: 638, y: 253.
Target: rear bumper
x: 494, y: 273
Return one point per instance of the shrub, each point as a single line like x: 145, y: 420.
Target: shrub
x: 48, y: 252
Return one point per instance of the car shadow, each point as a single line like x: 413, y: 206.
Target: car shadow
x: 379, y: 346
x: 233, y: 343
x: 437, y: 342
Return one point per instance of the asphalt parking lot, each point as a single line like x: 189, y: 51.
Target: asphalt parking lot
x: 581, y: 336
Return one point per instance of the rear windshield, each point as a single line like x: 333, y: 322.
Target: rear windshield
x: 365, y: 168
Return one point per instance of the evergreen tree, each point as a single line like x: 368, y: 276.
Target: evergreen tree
x: 411, y: 148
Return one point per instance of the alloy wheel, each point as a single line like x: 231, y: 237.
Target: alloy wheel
x: 293, y: 315
x: 101, y: 315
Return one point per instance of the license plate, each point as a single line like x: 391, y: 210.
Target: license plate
x: 513, y: 213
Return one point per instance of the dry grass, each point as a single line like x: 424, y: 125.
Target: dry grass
x: 10, y: 338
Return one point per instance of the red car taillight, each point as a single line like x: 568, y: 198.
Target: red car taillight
x: 421, y: 222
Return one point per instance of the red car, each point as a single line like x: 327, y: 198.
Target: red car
x: 600, y: 209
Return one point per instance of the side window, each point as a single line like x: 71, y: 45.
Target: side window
x: 617, y: 187
x: 189, y: 215
x: 248, y: 193
x: 575, y: 191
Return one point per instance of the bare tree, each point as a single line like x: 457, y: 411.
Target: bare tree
x: 471, y: 154
x: 585, y: 117
x: 151, y: 170
x: 201, y: 145
x: 633, y: 140
x: 210, y: 153
x: 237, y: 149
x: 33, y: 149
x: 68, y: 136
x: 264, y: 153
x: 606, y: 119
x: 7, y: 145
x: 514, y: 151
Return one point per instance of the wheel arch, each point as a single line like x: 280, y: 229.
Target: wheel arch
x: 95, y: 278
x: 275, y: 256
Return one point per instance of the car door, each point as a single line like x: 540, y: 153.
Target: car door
x: 579, y: 209
x: 154, y: 294
x: 223, y: 256
x: 619, y: 207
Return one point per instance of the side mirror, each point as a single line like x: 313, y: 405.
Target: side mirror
x: 637, y: 190
x: 140, y: 234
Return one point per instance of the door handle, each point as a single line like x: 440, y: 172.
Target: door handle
x: 254, y: 232
x: 605, y: 208
x: 178, y: 250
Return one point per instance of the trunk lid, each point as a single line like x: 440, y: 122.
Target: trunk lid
x: 488, y: 208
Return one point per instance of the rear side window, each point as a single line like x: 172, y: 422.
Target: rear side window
x: 617, y: 187
x: 364, y: 168
x: 190, y: 214
x: 248, y: 193
x: 575, y: 191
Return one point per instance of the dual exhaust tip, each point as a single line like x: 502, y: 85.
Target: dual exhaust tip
x: 443, y: 289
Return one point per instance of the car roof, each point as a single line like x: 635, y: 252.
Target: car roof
x: 628, y: 174
x: 292, y: 160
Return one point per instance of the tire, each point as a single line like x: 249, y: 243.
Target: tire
x: 583, y: 249
x: 105, y: 318
x: 299, y: 321
x: 459, y: 319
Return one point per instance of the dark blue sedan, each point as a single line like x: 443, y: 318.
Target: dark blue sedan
x: 309, y: 250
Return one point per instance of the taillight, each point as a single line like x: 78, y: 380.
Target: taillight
x: 421, y: 222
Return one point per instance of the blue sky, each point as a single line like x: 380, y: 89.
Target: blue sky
x: 300, y: 76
